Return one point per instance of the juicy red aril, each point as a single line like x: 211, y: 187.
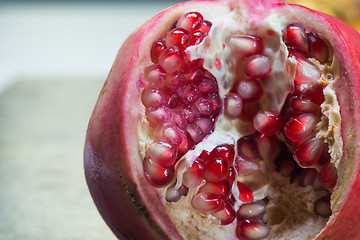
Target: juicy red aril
x: 309, y: 153
x: 157, y: 116
x: 246, y: 165
x: 287, y: 167
x: 208, y: 203
x: 155, y: 75
x: 197, y: 37
x: 185, y: 145
x: 156, y: 50
x: 189, y: 93
x: 194, y: 175
x: 220, y: 188
x: 225, y: 152
x: 162, y: 154
x: 205, y: 124
x: 253, y: 210
x: 267, y: 146
x: 171, y: 60
x: 195, y: 133
x: 257, y: 66
x: 306, y: 71
x: 174, y: 81
x: 205, y: 27
x: 190, y: 21
x: 174, y: 195
x: 308, y: 177
x: 177, y: 37
x: 304, y: 105
x: 314, y: 92
x: 249, y: 90
x: 246, y: 147
x: 245, y: 45
x: 322, y: 207
x: 190, y: 113
x: 328, y: 176
x: 157, y: 175
x: 246, y: 194
x: 169, y: 133
x: 295, y: 37
x: 298, y: 128
x: 318, y: 48
x: 216, y: 170
x: 203, y: 106
x: 152, y: 98
x: 208, y: 84
x: 252, y: 230
x: 232, y: 105
x: 226, y: 215
x: 267, y: 122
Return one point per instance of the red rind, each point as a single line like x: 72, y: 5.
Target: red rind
x: 129, y: 204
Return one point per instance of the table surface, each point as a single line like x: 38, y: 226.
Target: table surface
x: 43, y: 190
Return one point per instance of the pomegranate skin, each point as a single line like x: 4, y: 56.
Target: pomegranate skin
x: 129, y: 204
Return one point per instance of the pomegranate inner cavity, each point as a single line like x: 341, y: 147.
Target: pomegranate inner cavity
x: 237, y: 117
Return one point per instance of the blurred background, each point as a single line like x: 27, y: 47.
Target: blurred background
x: 54, y: 58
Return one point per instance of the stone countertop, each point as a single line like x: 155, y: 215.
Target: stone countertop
x: 43, y: 193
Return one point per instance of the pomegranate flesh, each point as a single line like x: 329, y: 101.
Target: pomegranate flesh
x: 230, y: 120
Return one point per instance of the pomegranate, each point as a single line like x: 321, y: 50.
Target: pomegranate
x: 230, y: 120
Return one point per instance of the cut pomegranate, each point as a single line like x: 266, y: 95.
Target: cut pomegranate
x: 230, y: 120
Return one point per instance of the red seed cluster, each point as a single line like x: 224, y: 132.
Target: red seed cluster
x: 181, y: 98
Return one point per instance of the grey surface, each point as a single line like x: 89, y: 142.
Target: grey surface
x: 43, y: 194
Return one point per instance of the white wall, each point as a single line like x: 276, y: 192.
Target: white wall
x: 68, y: 40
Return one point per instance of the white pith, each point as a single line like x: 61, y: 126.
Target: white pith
x: 227, y: 131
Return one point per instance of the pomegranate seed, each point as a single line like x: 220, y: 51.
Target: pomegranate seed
x: 188, y: 94
x: 197, y: 37
x: 308, y: 177
x: 216, y: 170
x: 195, y: 133
x: 252, y: 230
x: 174, y: 195
x: 190, y: 113
x: 194, y: 76
x: 171, y: 60
x: 221, y: 188
x: 156, y: 175
x: 246, y: 194
x: 168, y: 133
x: 328, y: 176
x: 257, y: 66
x: 177, y: 37
x: 174, y: 81
x: 304, y: 105
x: 227, y: 215
x: 205, y: 156
x: 225, y: 152
x: 203, y: 106
x: 215, y: 103
x: 267, y: 122
x: 205, y: 27
x: 246, y: 147
x: 179, y: 120
x: 186, y: 145
x: 208, y: 84
x: 190, y: 21
x: 157, y: 48
x: 157, y: 116
x: 253, y: 210
x: 162, y: 154
x: 151, y: 97
x: 306, y: 71
x: 245, y: 45
x: 318, y: 48
x: 322, y: 207
x: 231, y: 199
x: 298, y: 128
x: 268, y: 147
x: 173, y: 101
x: 155, y: 75
x: 249, y: 111
x: 309, y: 153
x: 232, y: 105
x: 231, y: 176
x: 314, y: 92
x: 245, y: 165
x: 249, y: 90
x: 206, y: 125
x: 194, y: 175
x: 295, y: 37
x: 208, y: 203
